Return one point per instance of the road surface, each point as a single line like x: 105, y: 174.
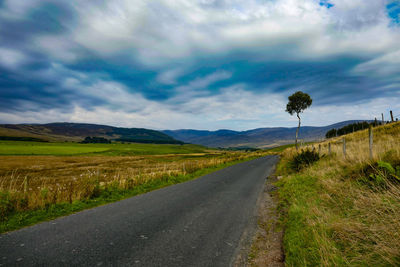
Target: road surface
x: 196, y: 223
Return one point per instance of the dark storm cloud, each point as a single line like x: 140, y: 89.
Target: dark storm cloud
x: 47, y: 18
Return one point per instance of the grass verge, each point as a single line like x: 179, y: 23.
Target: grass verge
x: 344, y: 210
x: 106, y: 195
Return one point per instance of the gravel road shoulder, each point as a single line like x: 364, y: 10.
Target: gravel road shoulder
x: 267, y: 247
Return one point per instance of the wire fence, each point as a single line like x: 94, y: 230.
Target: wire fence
x: 365, y: 144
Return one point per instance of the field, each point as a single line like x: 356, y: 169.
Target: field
x: 343, y: 210
x: 44, y: 180
x: 117, y: 149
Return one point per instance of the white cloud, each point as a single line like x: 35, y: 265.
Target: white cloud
x: 16, y: 9
x: 387, y: 65
x: 195, y: 88
x: 233, y: 108
x: 169, y: 76
x: 57, y: 47
x: 183, y: 34
x: 203, y: 82
x: 160, y: 32
x: 11, y: 58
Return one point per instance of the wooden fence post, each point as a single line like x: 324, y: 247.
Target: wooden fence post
x: 391, y: 115
x: 383, y: 121
x: 319, y: 149
x: 371, y: 142
x: 329, y: 149
x: 344, y: 147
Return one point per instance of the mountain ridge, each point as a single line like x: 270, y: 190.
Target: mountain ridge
x: 259, y: 137
x: 68, y: 131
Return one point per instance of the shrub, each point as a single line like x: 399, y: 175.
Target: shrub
x: 303, y: 159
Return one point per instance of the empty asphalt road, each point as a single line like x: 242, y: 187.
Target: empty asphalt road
x: 197, y: 223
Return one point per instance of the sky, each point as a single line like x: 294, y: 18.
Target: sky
x: 198, y: 64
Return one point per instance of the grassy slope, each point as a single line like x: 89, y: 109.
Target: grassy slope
x: 57, y: 149
x: 334, y: 214
x: 75, y: 132
x: 45, y: 136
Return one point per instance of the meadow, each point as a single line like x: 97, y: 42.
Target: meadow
x: 40, y: 181
x: 115, y: 149
x: 343, y: 210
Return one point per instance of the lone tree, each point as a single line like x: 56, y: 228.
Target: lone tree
x: 298, y: 102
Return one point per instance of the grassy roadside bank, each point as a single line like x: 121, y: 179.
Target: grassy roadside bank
x: 102, y: 194
x: 343, y: 210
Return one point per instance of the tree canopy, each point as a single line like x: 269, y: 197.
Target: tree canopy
x: 298, y: 102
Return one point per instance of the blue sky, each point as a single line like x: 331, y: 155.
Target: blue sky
x: 205, y: 64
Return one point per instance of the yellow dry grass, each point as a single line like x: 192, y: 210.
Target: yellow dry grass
x: 350, y: 222
x: 385, y: 138
x: 30, y: 182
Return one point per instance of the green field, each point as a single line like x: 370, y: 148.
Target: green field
x: 117, y: 149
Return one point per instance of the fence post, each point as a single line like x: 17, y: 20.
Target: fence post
x: 383, y: 121
x: 344, y: 147
x: 319, y: 149
x: 329, y: 149
x: 391, y: 115
x: 371, y: 142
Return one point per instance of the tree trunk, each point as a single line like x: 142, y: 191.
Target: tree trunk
x: 297, y: 131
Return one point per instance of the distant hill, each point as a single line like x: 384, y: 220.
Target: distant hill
x: 259, y: 138
x: 77, y: 132
x: 64, y: 131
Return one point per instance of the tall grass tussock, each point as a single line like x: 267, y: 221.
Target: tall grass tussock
x: 344, y: 210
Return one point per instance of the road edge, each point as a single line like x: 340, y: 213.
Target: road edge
x: 267, y: 246
x: 250, y: 233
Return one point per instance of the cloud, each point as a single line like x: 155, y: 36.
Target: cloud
x: 201, y: 64
x: 11, y: 58
x: 158, y: 32
x: 234, y: 108
x: 387, y: 65
x: 169, y: 76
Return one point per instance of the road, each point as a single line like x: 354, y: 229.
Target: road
x: 197, y: 223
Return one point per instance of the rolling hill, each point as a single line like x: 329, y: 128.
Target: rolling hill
x: 78, y: 131
x: 260, y: 138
